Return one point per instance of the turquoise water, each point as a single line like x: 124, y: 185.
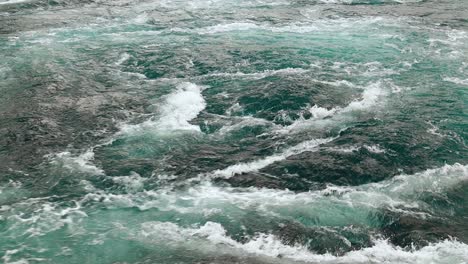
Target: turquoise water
x: 222, y: 131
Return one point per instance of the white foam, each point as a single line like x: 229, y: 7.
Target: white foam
x: 353, y: 204
x: 317, y: 26
x: 334, y: 206
x: 320, y: 112
x: 46, y: 217
x: 375, y: 148
x: 447, y: 251
x: 310, y: 145
x: 7, y: 2
x: 234, y: 108
x: 338, y: 83
x: 452, y: 39
x: 431, y: 180
x: 212, y: 238
x: 178, y: 109
x: 261, y: 75
x: 132, y: 183
x: 242, y: 122
x: 182, y: 106
x: 238, y: 26
x: 81, y: 163
x: 216, y: 4
x: 10, y: 191
x: 372, y: 96
x: 368, y: 69
x: 141, y: 18
x: 434, y: 130
x: 123, y: 57
x: 8, y: 256
x: 455, y: 80
x: 350, y: 149
x: 336, y: 1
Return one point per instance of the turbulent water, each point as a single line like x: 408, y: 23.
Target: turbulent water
x: 234, y: 131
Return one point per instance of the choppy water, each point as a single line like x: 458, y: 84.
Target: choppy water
x: 233, y: 131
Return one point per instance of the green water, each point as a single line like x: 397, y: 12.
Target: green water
x: 233, y: 131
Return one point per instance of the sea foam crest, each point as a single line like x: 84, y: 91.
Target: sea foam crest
x: 212, y: 238
x: 336, y: 205
x: 9, y: 2
x: 456, y: 80
x: 320, y: 112
x: 81, y: 163
x: 397, y: 193
x: 310, y: 145
x: 317, y: 26
x: 371, y: 96
x: 177, y: 110
x: 260, y: 75
x: 182, y: 106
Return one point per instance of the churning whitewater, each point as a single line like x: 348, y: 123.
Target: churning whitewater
x: 234, y: 131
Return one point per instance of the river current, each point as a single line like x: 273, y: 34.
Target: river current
x: 234, y: 131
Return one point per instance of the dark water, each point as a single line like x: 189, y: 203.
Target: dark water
x: 222, y: 131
